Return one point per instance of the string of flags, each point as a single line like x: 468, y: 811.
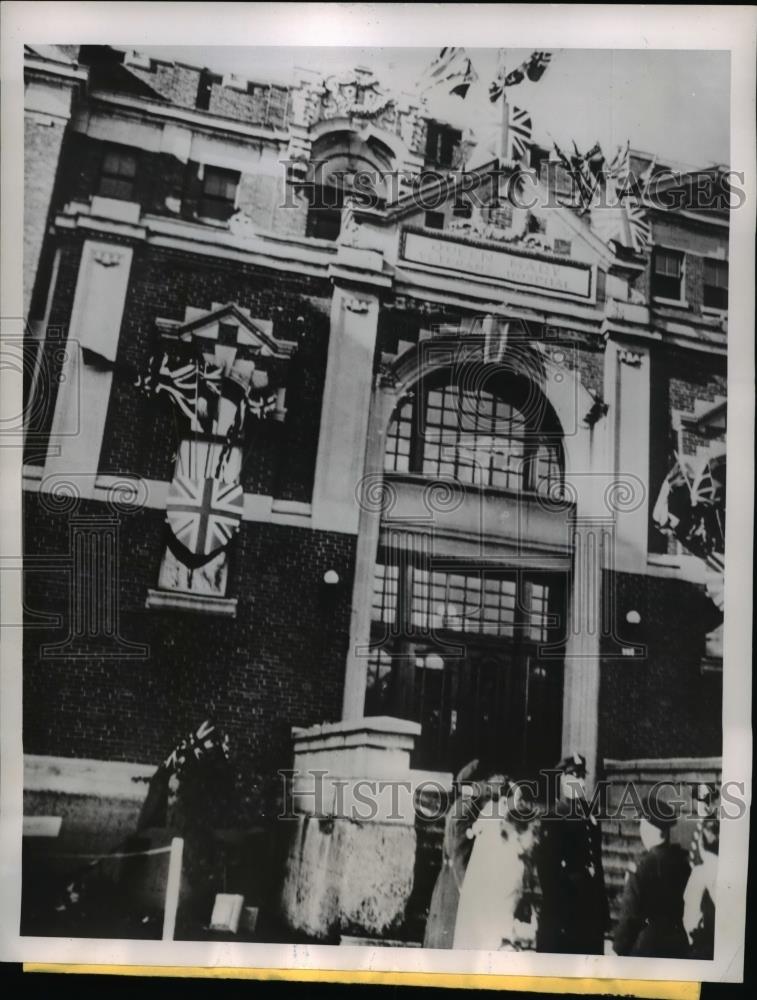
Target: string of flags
x: 533, y: 68
x: 191, y: 386
x: 453, y: 69
x: 621, y: 217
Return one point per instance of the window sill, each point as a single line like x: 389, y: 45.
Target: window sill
x: 714, y: 311
x: 175, y: 600
x: 662, y: 301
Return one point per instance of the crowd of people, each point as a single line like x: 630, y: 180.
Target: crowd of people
x: 515, y: 877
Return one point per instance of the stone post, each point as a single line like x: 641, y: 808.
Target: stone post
x: 352, y: 843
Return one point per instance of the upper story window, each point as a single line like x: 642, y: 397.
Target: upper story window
x: 434, y: 220
x: 324, y: 219
x: 441, y: 141
x: 715, y: 288
x: 505, y: 441
x: 118, y: 174
x: 667, y: 274
x: 219, y: 193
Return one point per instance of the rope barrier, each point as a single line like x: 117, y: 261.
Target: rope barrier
x: 129, y: 854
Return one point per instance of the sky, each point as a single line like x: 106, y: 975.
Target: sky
x: 673, y: 103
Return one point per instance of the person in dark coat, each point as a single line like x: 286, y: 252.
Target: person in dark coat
x: 651, y: 909
x: 574, y: 915
x: 456, y: 851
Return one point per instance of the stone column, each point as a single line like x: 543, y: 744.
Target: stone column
x: 627, y: 394
x: 352, y: 838
x: 592, y: 538
x: 344, y: 414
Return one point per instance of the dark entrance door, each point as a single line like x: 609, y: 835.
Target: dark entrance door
x: 488, y: 684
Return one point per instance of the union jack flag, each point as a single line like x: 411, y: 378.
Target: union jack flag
x: 452, y: 69
x: 691, y: 507
x: 204, y: 514
x: 518, y: 133
x: 182, y: 383
x: 639, y: 226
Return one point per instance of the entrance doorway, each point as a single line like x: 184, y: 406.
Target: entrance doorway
x: 475, y: 655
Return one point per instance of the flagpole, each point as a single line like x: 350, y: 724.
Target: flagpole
x: 504, y: 127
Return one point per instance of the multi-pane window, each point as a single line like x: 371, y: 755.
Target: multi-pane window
x: 441, y: 142
x: 434, y: 220
x: 117, y: 174
x: 219, y: 193
x: 667, y: 274
x: 715, y: 290
x: 474, y: 437
x: 421, y: 600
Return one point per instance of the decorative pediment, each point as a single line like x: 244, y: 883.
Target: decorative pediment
x: 227, y: 326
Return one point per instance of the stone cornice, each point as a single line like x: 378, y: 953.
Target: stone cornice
x: 191, y: 118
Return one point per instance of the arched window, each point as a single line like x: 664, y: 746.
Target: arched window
x: 480, y: 428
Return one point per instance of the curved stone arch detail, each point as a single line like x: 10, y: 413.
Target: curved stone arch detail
x: 394, y: 142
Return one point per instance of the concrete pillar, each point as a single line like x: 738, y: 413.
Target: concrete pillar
x: 344, y: 415
x: 628, y: 396
x: 352, y: 842
x: 592, y: 538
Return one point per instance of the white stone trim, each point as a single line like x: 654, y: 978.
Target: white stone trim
x: 152, y: 493
x: 99, y: 300
x: 179, y: 600
x: 82, y: 776
x: 192, y: 117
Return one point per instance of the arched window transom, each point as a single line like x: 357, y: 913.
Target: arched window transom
x: 503, y: 436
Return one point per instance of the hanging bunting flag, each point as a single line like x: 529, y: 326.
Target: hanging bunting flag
x: 537, y: 65
x: 518, y: 133
x: 182, y: 382
x: 452, y: 69
x: 533, y: 68
x: 691, y: 507
x: 204, y: 514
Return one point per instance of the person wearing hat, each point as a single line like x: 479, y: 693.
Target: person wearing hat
x: 574, y: 914
x: 651, y: 909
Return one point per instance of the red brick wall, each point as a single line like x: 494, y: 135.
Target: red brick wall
x: 279, y: 663
x: 660, y: 705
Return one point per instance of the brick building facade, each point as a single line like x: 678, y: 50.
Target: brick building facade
x: 164, y: 194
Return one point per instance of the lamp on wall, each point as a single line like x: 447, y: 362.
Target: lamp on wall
x: 331, y: 578
x: 633, y: 617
